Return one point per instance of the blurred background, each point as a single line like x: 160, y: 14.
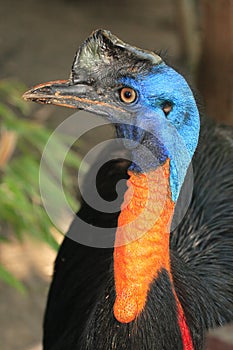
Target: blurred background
x: 38, y: 40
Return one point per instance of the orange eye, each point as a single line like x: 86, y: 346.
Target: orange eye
x: 128, y: 95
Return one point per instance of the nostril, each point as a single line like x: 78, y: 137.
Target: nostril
x: 45, y: 90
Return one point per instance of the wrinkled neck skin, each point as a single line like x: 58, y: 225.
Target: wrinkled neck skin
x: 142, y: 245
x: 142, y: 237
x: 142, y: 240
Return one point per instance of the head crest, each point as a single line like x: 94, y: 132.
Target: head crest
x: 102, y: 49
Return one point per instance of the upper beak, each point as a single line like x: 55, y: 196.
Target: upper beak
x: 62, y: 93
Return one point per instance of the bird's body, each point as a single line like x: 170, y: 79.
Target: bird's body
x: 166, y: 295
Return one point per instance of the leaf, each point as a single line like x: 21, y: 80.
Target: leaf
x: 10, y: 279
x: 21, y: 206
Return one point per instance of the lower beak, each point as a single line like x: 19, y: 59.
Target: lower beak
x: 61, y: 93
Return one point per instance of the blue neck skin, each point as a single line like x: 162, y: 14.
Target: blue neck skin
x: 174, y: 136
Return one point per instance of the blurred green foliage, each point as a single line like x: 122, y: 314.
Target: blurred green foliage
x: 22, y: 141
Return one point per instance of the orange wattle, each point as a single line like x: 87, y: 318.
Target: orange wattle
x: 142, y: 240
x: 142, y: 245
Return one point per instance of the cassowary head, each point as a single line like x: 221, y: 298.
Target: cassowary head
x: 149, y: 102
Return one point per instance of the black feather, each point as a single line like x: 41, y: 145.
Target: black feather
x: 79, y: 311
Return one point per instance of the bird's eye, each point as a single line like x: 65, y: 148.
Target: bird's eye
x: 167, y: 107
x: 128, y: 95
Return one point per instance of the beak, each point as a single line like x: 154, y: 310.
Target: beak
x: 72, y: 95
x: 62, y: 93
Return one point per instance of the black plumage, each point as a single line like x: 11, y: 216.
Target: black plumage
x: 79, y: 311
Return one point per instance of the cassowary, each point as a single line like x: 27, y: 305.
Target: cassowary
x: 160, y: 286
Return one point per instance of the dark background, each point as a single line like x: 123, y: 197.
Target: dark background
x: 38, y: 40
